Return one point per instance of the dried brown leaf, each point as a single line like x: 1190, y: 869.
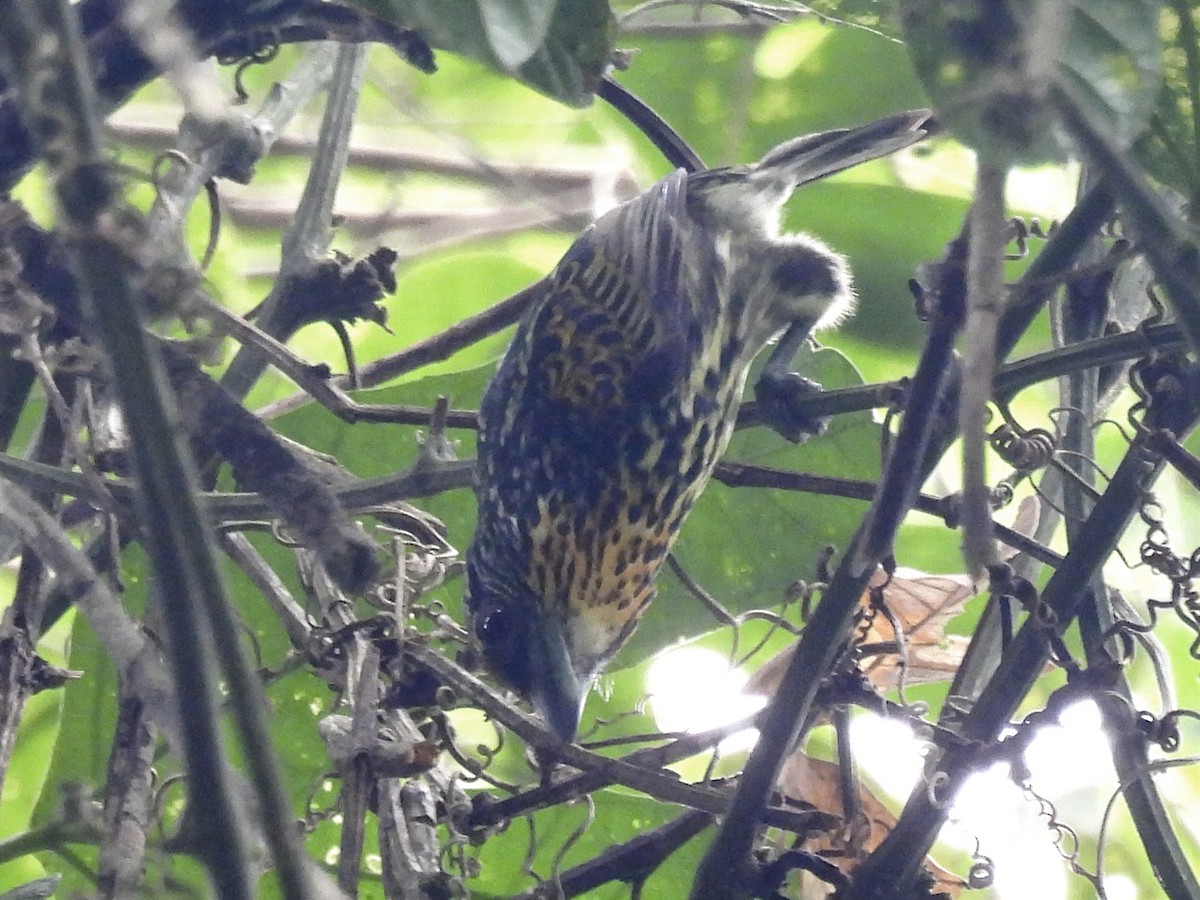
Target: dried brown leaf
x: 817, y: 783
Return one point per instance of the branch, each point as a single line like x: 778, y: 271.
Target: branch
x: 633, y: 861
x: 229, y: 151
x: 194, y: 603
x: 1164, y: 237
x: 985, y: 304
x: 433, y: 349
x: 306, y: 242
x: 658, y: 784
x: 128, y: 800
x: 899, y: 856
x: 121, y: 66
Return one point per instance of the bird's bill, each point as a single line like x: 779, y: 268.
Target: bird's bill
x: 557, y: 693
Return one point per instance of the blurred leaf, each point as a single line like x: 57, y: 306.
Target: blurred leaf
x: 1171, y: 151
x: 809, y: 77
x: 80, y: 754
x: 26, y: 779
x: 559, y: 47
x: 516, y: 28
x: 988, y: 67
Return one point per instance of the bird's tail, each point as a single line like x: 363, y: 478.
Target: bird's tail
x: 815, y: 156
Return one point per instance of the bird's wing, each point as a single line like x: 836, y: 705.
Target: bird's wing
x: 611, y: 332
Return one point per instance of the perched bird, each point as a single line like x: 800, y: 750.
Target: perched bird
x: 619, y: 393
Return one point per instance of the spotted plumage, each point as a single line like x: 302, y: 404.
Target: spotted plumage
x: 619, y: 393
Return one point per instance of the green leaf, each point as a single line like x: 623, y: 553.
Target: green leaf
x: 559, y: 47
x: 1171, y: 151
x: 619, y: 816
x: 810, y: 77
x: 989, y: 66
x: 29, y: 765
x: 516, y: 28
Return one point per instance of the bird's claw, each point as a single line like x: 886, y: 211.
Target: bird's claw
x: 780, y: 396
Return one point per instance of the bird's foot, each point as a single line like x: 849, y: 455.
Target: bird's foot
x: 780, y: 398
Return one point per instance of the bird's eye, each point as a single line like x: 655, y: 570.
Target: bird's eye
x: 492, y: 625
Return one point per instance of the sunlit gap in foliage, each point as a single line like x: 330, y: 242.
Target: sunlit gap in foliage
x: 695, y: 689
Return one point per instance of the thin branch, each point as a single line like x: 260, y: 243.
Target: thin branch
x: 226, y: 508
x: 985, y: 305
x: 306, y: 242
x: 898, y: 858
x: 668, y: 141
x: 190, y: 583
x: 118, y: 634
x: 1165, y: 238
x: 128, y: 800
x: 315, y: 380
x: 433, y: 349
x: 533, y: 732
x: 230, y: 151
x: 633, y: 861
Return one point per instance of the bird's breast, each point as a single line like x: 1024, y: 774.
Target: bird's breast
x: 602, y: 428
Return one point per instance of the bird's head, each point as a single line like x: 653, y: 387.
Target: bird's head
x: 542, y: 649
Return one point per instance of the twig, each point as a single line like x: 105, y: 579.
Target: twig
x: 1164, y: 237
x: 230, y: 151
x: 223, y: 508
x: 21, y: 624
x: 668, y: 141
x: 899, y: 856
x: 696, y: 589
x: 120, y: 637
x: 985, y: 305
x: 291, y: 615
x: 358, y: 779
x: 307, y: 240
x: 190, y: 584
x: 926, y: 396
x: 535, y: 734
x: 433, y: 349
x: 633, y: 861
x: 559, y: 791
x: 315, y: 381
x: 128, y: 800
x: 1054, y: 265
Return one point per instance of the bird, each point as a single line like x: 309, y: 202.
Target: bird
x: 619, y: 392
